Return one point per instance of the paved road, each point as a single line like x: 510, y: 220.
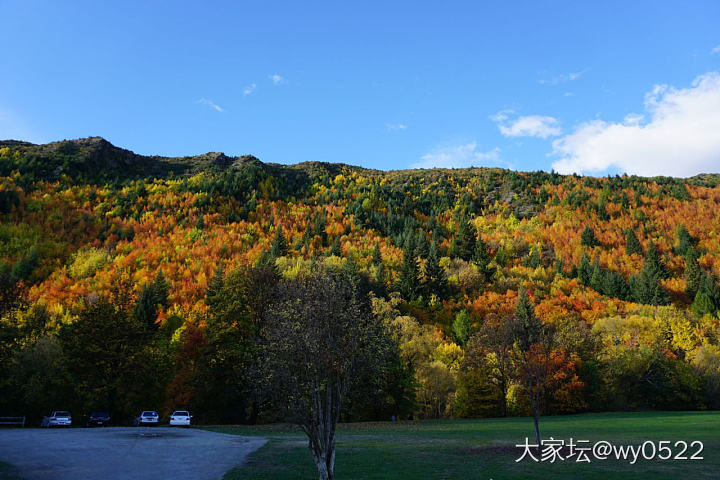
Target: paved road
x: 123, y: 453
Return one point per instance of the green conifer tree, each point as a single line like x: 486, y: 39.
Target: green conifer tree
x: 279, y: 245
x: 632, y: 244
x: 587, y: 238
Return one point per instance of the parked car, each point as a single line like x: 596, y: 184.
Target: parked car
x: 98, y: 418
x: 147, y: 417
x: 180, y: 417
x: 58, y: 418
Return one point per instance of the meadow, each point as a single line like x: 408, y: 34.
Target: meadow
x: 485, y: 449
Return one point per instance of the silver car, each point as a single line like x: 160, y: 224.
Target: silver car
x: 148, y: 417
x: 58, y: 418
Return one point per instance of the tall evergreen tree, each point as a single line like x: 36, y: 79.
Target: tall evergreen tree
x: 587, y: 237
x: 215, y: 286
x: 279, y: 245
x: 654, y: 262
x: 645, y: 286
x: 685, y: 241
x: 597, y: 279
x: 525, y: 314
x: 434, y: 273
x: 376, y: 255
x: 614, y: 285
x: 408, y: 281
x: 422, y: 246
x: 702, y: 305
x: 632, y: 244
x: 709, y: 288
x: 584, y: 270
x: 693, y: 273
x: 464, y: 245
x: 481, y: 258
x: 161, y: 288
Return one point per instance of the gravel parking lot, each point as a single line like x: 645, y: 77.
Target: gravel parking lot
x: 123, y: 453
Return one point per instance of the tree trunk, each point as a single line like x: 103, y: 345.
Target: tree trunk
x: 535, y: 401
x: 325, y: 464
x: 323, y: 473
x: 503, y: 393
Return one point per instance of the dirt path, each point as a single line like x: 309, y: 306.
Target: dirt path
x: 123, y: 453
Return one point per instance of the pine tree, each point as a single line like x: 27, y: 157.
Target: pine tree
x: 584, y: 270
x: 279, y: 244
x: 685, y: 241
x: 531, y: 327
x: 524, y: 308
x: 151, y: 297
x: 380, y: 278
x: 435, y: 274
x: 408, y: 281
x: 702, y: 305
x: 481, y: 258
x: 632, y: 244
x: 422, y: 246
x: 645, y: 286
x: 465, y: 239
x: 215, y: 286
x: 597, y: 279
x: 693, y: 273
x: 614, y: 285
x: 161, y: 288
x: 587, y: 238
x: 376, y: 255
x: 654, y: 262
x: 710, y: 288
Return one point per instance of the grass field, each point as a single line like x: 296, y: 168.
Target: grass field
x: 485, y: 449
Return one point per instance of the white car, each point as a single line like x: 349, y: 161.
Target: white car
x: 59, y: 418
x: 180, y: 417
x: 147, y: 417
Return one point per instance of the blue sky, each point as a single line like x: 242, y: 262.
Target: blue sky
x: 593, y: 87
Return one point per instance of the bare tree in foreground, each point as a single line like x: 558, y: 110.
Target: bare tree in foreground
x: 319, y: 337
x: 533, y: 345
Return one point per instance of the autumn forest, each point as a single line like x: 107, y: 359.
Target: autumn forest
x: 130, y: 282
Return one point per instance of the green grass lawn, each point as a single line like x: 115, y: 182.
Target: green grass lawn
x: 485, y: 449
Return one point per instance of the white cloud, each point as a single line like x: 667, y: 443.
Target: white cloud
x: 680, y: 137
x: 459, y: 156
x: 211, y: 104
x: 715, y: 50
x: 540, y: 126
x: 249, y: 89
x: 502, y: 115
x: 549, y: 79
x: 276, y: 79
x: 393, y: 127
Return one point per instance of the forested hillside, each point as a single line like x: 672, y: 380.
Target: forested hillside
x: 133, y: 282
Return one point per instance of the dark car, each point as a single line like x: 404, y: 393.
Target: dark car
x: 98, y: 418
